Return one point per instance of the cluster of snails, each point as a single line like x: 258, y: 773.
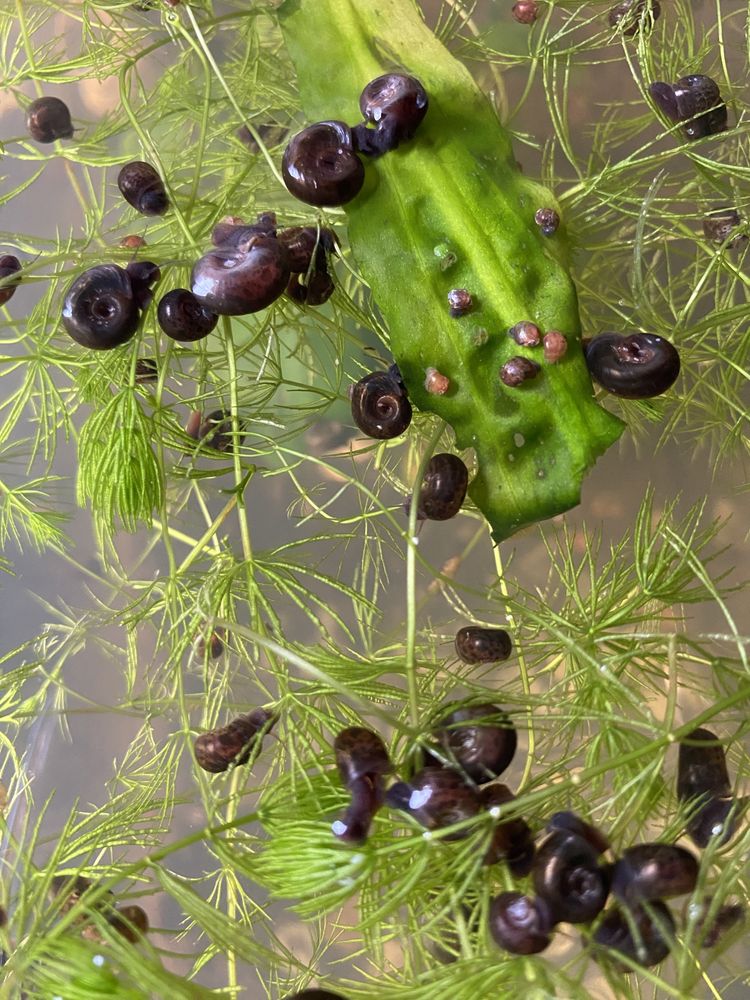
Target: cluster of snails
x: 321, y: 165
x: 232, y: 744
x: 625, y: 15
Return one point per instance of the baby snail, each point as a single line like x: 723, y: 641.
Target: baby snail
x: 718, y: 226
x: 182, y: 317
x: 526, y: 334
x: 130, y: 921
x: 628, y: 15
x: 555, y: 346
x: 395, y: 104
x: 644, y: 935
x: 142, y: 187
x: 320, y: 166
x: 146, y: 370
x: 380, y: 405
x: 694, y: 100
x: 436, y: 797
x: 525, y: 11
x: 10, y: 268
x: 568, y: 877
x: 520, y: 924
x: 703, y: 782
x: 213, y: 646
x: 481, y: 738
x: 143, y: 274
x: 518, y: 370
x: 48, y: 119
x: 712, y: 928
x: 634, y: 366
x: 460, y: 302
x: 362, y: 760
x: 235, y: 281
x: 233, y: 743
x: 548, y: 220
x: 215, y: 430
x: 435, y: 382
x: 475, y: 644
x: 443, y: 488
x: 512, y: 839
x: 100, y: 309
x: 653, y: 871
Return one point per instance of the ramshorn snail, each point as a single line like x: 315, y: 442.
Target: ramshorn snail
x: 100, y: 309
x: 362, y: 760
x: 395, y: 104
x: 236, y: 281
x: 380, y: 405
x: 443, y: 488
x: 650, y: 944
x: 182, y: 317
x: 142, y: 187
x: 320, y: 166
x: 694, y: 100
x: 567, y: 875
x: 480, y: 738
x: 520, y: 924
x: 703, y: 782
x: 476, y: 644
x: 233, y: 743
x: 654, y: 871
x: 48, y: 119
x: 634, y: 366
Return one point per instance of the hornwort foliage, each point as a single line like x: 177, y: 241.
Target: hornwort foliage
x: 290, y: 541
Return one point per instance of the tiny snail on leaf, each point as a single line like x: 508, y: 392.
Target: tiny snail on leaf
x: 395, y: 104
x: 142, y: 187
x: 235, y: 281
x: 481, y: 738
x: 10, y: 268
x: 519, y: 924
x: 548, y: 220
x: 654, y: 871
x: 526, y: 334
x: 320, y: 166
x: 568, y: 877
x: 475, y: 644
x: 48, y: 119
x: 644, y: 934
x: 380, y: 406
x: 518, y: 370
x: 694, y: 100
x: 634, y: 366
x: 100, y: 310
x: 182, y: 317
x: 443, y: 488
x: 233, y: 743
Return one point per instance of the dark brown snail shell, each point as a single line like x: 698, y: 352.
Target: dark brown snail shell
x: 146, y: 370
x: 360, y: 752
x: 654, y: 871
x: 571, y: 823
x: 142, y: 187
x: 367, y: 797
x: 238, y: 281
x: 130, y: 921
x: 726, y: 919
x: 320, y: 166
x: 443, y: 489
x: 48, y: 119
x: 436, y: 797
x: 143, y: 274
x: 314, y: 994
x: 311, y: 291
x: 9, y: 266
x: 636, y: 366
x: 512, y: 840
x: 302, y: 243
x: 182, y: 317
x: 232, y: 232
x: 654, y: 933
x: 233, y: 743
x: 380, y: 406
x: 627, y: 15
x: 475, y: 644
x: 217, y: 432
x: 525, y: 11
x: 100, y: 310
x: 715, y: 820
x: 214, y: 647
x: 718, y: 226
x: 481, y: 738
x: 518, y: 370
x: 695, y: 100
x: 395, y: 104
x: 702, y: 766
x: 519, y: 924
x: 568, y: 877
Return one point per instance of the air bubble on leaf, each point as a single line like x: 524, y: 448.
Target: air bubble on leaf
x: 519, y: 440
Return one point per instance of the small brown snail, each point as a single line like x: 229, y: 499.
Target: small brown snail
x: 694, y: 100
x: 395, y: 104
x: 10, y: 268
x: 722, y: 224
x: 182, y: 317
x: 100, y: 310
x: 568, y: 877
x: 130, y: 921
x: 142, y: 187
x: 526, y: 334
x: 237, y: 281
x: 460, y: 302
x: 512, y: 839
x: 628, y: 15
x: 518, y: 370
x: 312, y: 290
x: 713, y: 928
x: 443, y: 488
x: 320, y: 166
x: 525, y: 11
x: 481, y: 739
x: 380, y: 405
x: 519, y: 924
x: 362, y: 760
x: 213, y: 646
x: 654, y: 871
x: 703, y: 781
x: 644, y: 935
x: 233, y: 743
x: 217, y: 432
x: 48, y: 119
x: 636, y: 366
x: 476, y: 644
x: 67, y: 891
x: 436, y: 797
x: 302, y: 243
x: 555, y: 346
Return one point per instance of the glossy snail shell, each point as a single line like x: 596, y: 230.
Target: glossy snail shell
x: 182, y: 317
x: 380, y: 406
x: 695, y: 100
x: 320, y: 166
x: 481, y: 738
x: 235, y: 281
x: 436, y: 797
x: 99, y: 310
x: 443, y: 488
x: 359, y: 752
x: 476, y: 644
x: 637, y: 366
x: 654, y: 871
x: 233, y: 743
x: 142, y: 187
x: 48, y: 119
x: 519, y: 924
x: 9, y: 266
x: 396, y: 104
x: 655, y: 930
x: 568, y: 877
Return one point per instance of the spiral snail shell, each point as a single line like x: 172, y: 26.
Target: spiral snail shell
x: 654, y: 871
x: 443, y: 488
x: 395, y: 104
x: 481, y: 738
x: 695, y: 100
x: 182, y: 317
x: 233, y: 281
x: 100, y: 310
x: 142, y: 187
x: 644, y: 935
x: 320, y: 166
x: 568, y: 877
x: 636, y: 366
x: 520, y: 924
x: 48, y: 119
x: 380, y: 406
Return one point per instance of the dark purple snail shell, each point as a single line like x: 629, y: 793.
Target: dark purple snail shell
x: 443, y: 489
x: 715, y: 820
x: 695, y: 100
x: 571, y: 823
x: 142, y: 187
x: 655, y: 931
x: 396, y: 104
x: 512, y: 840
x: 48, y: 119
x: 568, y: 877
x: 216, y: 430
x: 99, y: 310
x: 380, y: 406
x: 235, y: 281
x: 314, y: 994
x: 130, y: 921
x: 436, y: 797
x: 627, y: 15
x: 636, y: 366
x: 654, y: 871
x: 360, y: 752
x: 233, y: 743
x: 303, y: 242
x: 9, y: 266
x: 232, y: 232
x: 182, y: 317
x: 481, y: 738
x: 312, y: 290
x: 702, y: 766
x: 519, y: 924
x: 367, y: 797
x: 320, y: 166
x: 476, y: 644
x: 143, y: 274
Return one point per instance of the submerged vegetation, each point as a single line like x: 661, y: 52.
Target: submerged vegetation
x: 247, y: 570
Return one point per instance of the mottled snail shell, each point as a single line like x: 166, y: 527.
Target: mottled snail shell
x: 436, y: 797
x: 320, y: 166
x: 237, y: 281
x: 476, y: 644
x: 182, y: 317
x: 99, y: 310
x: 9, y: 266
x: 519, y: 924
x: 481, y: 738
x: 568, y: 877
x: 233, y: 743
x: 637, y: 366
x: 627, y: 15
x: 360, y: 752
x: 695, y: 100
x: 395, y: 104
x: 443, y: 489
x: 48, y: 119
x: 512, y: 840
x: 130, y: 921
x: 380, y: 406
x: 655, y: 931
x: 654, y: 871
x: 302, y: 242
x: 142, y: 187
